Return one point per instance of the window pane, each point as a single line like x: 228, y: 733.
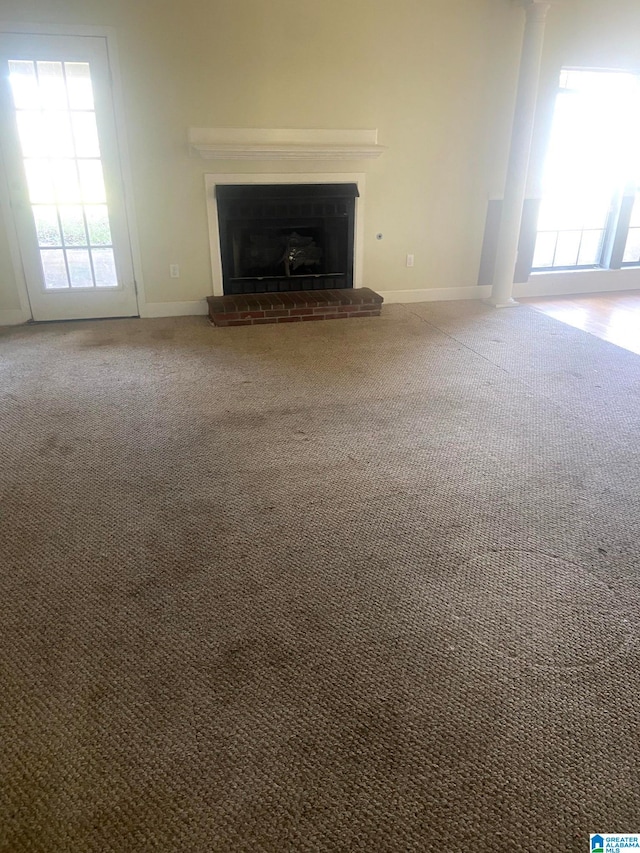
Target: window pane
x: 91, y: 181
x: 545, y: 249
x: 596, y: 212
x: 79, y: 87
x: 632, y: 251
x: 98, y: 223
x: 59, y: 141
x: 47, y: 228
x: 39, y: 181
x: 79, y: 268
x: 52, y: 87
x: 105, y: 268
x: 85, y: 134
x: 65, y: 179
x: 553, y: 214
x: 24, y: 84
x: 591, y: 248
x: 73, y: 229
x: 33, y: 137
x: 54, y: 269
x: 573, y: 212
x: 635, y: 213
x: 567, y: 248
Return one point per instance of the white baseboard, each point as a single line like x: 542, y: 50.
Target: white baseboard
x: 13, y: 317
x: 436, y: 294
x: 542, y: 284
x: 580, y: 281
x: 173, y: 309
x: 545, y: 284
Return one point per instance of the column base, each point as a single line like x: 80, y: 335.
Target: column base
x: 501, y: 303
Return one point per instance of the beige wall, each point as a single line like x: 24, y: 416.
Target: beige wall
x: 436, y: 77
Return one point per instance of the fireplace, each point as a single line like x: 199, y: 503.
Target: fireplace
x: 276, y: 238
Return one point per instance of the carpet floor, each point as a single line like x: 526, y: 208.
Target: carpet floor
x: 369, y: 585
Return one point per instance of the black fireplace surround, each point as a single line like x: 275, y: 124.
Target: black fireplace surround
x: 286, y: 237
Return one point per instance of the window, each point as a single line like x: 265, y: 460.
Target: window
x: 590, y: 207
x: 58, y: 134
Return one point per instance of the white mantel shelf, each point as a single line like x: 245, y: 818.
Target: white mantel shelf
x: 233, y: 143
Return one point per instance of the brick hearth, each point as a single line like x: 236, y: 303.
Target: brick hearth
x: 294, y: 306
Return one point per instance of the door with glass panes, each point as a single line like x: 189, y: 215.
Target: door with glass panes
x: 60, y: 148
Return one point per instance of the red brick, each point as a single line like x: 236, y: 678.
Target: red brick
x: 293, y: 306
x: 226, y: 316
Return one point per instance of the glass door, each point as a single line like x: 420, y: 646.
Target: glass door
x: 60, y: 148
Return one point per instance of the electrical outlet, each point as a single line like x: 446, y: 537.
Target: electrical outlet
x: 409, y: 260
x: 174, y: 270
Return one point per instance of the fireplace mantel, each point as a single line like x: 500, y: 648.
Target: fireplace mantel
x: 234, y: 143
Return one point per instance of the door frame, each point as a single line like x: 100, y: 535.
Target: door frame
x: 6, y: 213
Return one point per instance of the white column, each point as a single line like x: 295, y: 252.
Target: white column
x: 521, y: 139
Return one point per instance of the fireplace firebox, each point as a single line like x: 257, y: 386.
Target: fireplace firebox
x: 286, y: 237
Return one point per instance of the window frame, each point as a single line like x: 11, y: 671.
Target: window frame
x: 617, y: 227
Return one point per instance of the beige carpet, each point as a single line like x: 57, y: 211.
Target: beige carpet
x: 366, y: 585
